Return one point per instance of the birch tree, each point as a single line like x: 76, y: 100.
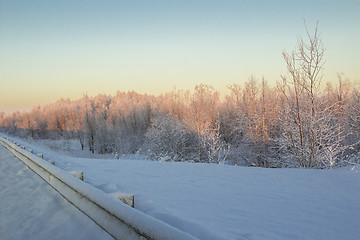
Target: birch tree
x: 309, y: 135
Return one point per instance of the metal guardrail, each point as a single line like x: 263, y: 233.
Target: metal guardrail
x: 115, y: 217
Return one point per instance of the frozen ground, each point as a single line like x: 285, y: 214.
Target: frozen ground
x: 229, y: 202
x: 31, y: 209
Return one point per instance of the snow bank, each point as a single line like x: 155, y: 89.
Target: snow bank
x: 118, y: 219
x: 212, y: 201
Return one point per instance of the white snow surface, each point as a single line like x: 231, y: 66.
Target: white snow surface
x: 212, y: 201
x: 86, y: 194
x: 31, y: 209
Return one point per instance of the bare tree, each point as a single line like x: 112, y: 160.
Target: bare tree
x: 339, y: 96
x: 257, y: 119
x: 309, y: 134
x: 214, y: 147
x: 90, y: 125
x: 204, y: 110
x: 354, y: 117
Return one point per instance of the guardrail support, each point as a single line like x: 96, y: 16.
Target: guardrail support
x: 126, y: 198
x: 79, y: 175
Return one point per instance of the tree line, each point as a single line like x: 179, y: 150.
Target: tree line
x: 297, y: 123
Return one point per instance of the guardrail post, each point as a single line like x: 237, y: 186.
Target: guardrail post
x: 79, y: 175
x: 126, y: 198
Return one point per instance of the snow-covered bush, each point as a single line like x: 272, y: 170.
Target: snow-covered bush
x: 214, y: 147
x: 169, y: 140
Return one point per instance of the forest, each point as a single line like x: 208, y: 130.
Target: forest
x: 299, y: 122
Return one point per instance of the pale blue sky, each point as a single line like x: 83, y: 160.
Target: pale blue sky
x: 51, y: 49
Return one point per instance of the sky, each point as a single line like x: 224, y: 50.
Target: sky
x: 52, y: 49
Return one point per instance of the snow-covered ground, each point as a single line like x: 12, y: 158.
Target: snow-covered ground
x: 229, y: 202
x: 31, y: 209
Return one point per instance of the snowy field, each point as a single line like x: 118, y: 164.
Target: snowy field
x: 229, y: 202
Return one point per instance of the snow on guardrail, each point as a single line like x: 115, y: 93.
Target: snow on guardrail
x: 116, y: 218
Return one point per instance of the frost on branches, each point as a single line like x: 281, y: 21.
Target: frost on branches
x: 310, y: 135
x: 297, y: 123
x: 168, y: 140
x: 171, y: 140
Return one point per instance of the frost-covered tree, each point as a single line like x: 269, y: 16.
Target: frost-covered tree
x: 103, y: 138
x: 176, y: 103
x: 354, y: 122
x: 228, y: 112
x: 309, y: 136
x: 256, y: 121
x: 90, y: 127
x: 354, y: 109
x: 312, y: 127
x: 338, y: 97
x: 203, y: 111
x: 215, y: 149
x: 170, y: 140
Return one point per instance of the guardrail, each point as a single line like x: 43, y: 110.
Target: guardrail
x: 116, y: 218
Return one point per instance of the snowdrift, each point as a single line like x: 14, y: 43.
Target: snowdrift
x: 118, y: 219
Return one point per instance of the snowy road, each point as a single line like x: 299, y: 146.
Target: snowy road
x: 31, y: 209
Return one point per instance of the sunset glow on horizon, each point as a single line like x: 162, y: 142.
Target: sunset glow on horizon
x: 64, y: 49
